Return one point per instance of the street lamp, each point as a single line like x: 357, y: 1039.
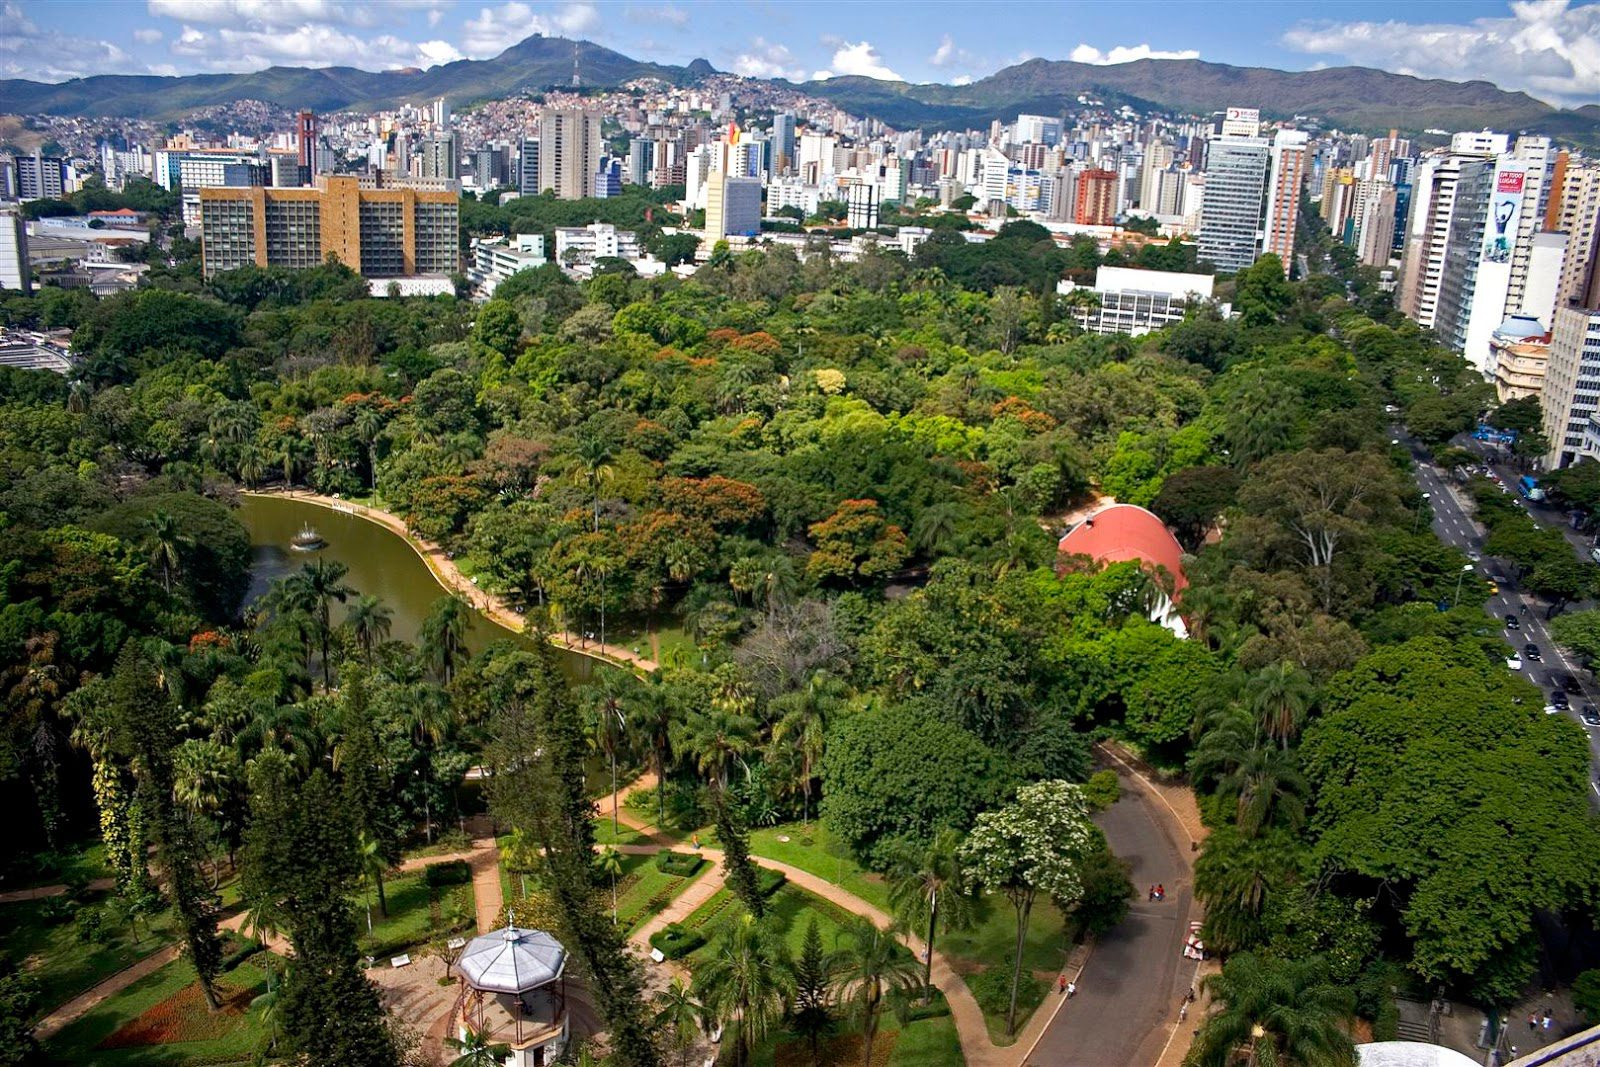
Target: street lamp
x: 1464, y: 572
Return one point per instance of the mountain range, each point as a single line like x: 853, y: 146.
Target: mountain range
x: 1355, y: 98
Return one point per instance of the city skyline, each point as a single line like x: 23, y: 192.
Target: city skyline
x: 1538, y: 47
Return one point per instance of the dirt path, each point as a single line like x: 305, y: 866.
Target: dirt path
x: 448, y: 575
x: 80, y: 1005
x: 40, y: 892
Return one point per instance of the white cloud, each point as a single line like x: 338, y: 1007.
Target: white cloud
x: 498, y: 28
x: 434, y: 53
x: 26, y: 51
x: 665, y: 14
x: 1088, y: 53
x: 308, y: 45
x: 766, y: 60
x: 861, y: 60
x: 255, y: 12
x: 961, y: 79
x: 148, y: 36
x: 1546, y: 47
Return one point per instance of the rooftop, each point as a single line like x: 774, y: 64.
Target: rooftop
x: 1124, y: 532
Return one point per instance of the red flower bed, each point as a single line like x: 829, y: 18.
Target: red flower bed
x: 182, y: 1017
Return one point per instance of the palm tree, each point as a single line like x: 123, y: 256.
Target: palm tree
x: 429, y: 716
x: 373, y: 864
x: 802, y: 721
x: 929, y: 892
x: 610, y: 730
x: 1234, y: 877
x: 745, y: 985
x: 291, y: 455
x: 680, y: 1016
x: 1266, y: 780
x: 476, y: 1050
x: 717, y: 736
x: 370, y: 622
x: 1276, y: 1013
x: 444, y: 635
x: 608, y: 861
x: 655, y: 713
x: 934, y: 529
x: 594, y: 468
x: 167, y: 543
x: 873, y: 966
x: 324, y: 583
x: 1280, y: 694
x: 368, y: 426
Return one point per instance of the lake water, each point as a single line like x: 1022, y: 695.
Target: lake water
x: 381, y: 564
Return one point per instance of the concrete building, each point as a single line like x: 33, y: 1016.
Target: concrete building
x: 1133, y: 301
x: 1571, y: 382
x: 569, y: 152
x: 439, y: 157
x: 1095, y: 203
x: 733, y: 207
x: 494, y: 259
x: 1520, y: 352
x: 1288, y: 177
x: 1375, y: 231
x: 1038, y: 129
x: 42, y: 177
x: 528, y: 168
x: 1574, y: 209
x: 783, y: 144
x: 1476, y: 276
x: 641, y: 159
x: 1232, y: 205
x: 14, y: 251
x: 861, y: 204
x: 582, y: 245
x: 380, y: 232
x: 306, y: 143
x: 1429, y: 227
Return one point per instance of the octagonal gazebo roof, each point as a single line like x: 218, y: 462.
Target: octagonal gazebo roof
x: 512, y: 960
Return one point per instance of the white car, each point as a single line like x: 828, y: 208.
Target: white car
x: 1514, y: 662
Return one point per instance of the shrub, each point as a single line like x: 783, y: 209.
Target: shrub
x: 242, y: 951
x: 1102, y: 790
x: 682, y: 864
x: 58, y: 909
x: 992, y: 991
x: 450, y: 872
x: 937, y: 1008
x: 91, y: 924
x: 675, y: 941
x: 769, y: 881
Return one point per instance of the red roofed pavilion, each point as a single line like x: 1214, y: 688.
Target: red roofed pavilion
x: 1122, y: 532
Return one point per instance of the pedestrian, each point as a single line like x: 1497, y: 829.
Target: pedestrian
x: 1183, y: 1011
x: 1547, y: 1020
x: 1150, y: 894
x: 1061, y: 985
x: 1533, y: 1021
x: 1189, y: 996
x: 1072, y: 990
x: 1161, y: 891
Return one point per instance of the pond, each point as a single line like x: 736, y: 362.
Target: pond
x: 380, y: 564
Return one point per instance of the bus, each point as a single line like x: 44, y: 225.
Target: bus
x: 1530, y: 488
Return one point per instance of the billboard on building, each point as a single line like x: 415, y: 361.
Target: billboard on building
x: 1505, y: 203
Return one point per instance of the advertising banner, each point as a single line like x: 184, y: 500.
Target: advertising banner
x: 1505, y: 204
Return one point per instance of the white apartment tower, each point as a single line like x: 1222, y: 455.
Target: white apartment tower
x: 1289, y: 161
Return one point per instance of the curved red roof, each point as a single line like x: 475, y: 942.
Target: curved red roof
x: 1126, y: 531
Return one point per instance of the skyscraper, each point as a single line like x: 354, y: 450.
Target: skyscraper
x: 1571, y: 382
x: 1095, y: 202
x: 1428, y: 230
x: 783, y: 161
x: 1283, y: 194
x: 528, y: 168
x: 641, y: 154
x: 307, y: 127
x: 438, y: 157
x: 42, y: 177
x: 733, y: 206
x: 569, y: 152
x: 1231, y: 206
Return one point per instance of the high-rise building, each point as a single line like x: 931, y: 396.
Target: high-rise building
x: 1038, y: 129
x: 1475, y: 282
x: 1428, y: 229
x: 783, y: 161
x: 861, y: 206
x: 1577, y: 214
x: 381, y: 232
x: 441, y: 114
x: 641, y: 157
x: 733, y: 206
x: 1157, y: 160
x: 528, y: 168
x: 1288, y: 177
x: 489, y: 167
x: 14, y: 251
x: 1375, y: 244
x: 569, y: 152
x: 42, y: 177
x: 1571, y: 382
x: 608, y: 179
x: 1235, y: 196
x: 438, y: 157
x: 306, y: 127
x: 1096, y: 201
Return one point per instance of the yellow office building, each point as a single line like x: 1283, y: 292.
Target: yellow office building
x: 380, y: 232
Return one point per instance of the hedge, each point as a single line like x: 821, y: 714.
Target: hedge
x: 450, y: 872
x: 682, y: 864
x: 675, y: 941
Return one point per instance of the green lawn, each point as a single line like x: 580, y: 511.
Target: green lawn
x: 411, y: 919
x: 178, y: 1030
x: 623, y: 836
x: 790, y: 909
x: 646, y: 890
x: 928, y: 1043
x: 28, y: 871
x: 814, y: 850
x: 923, y: 1043
x: 64, y: 964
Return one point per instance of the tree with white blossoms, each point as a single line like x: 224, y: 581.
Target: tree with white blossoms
x: 1034, y: 844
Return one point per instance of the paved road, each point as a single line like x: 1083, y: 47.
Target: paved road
x: 1453, y: 522
x: 1133, y: 982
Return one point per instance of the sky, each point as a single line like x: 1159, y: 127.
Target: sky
x: 1547, y: 48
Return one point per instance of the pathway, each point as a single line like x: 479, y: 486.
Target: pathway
x: 80, y: 1005
x: 1126, y: 1009
x: 448, y: 575
x: 40, y: 892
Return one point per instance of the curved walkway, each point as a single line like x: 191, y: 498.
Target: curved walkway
x: 448, y: 575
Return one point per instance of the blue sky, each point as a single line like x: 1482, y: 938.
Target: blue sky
x: 1549, y: 48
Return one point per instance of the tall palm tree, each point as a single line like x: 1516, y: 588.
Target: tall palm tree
x: 745, y: 985
x: 1280, y: 694
x: 476, y: 1050
x: 1276, y: 1013
x: 653, y: 716
x: 324, y: 583
x: 1266, y: 780
x: 368, y: 426
x: 594, y: 468
x: 1234, y: 876
x: 609, y: 734
x: 930, y: 892
x: 167, y: 543
x: 372, y: 865
x: 444, y: 635
x: 680, y: 1016
x: 934, y: 528
x: 871, y: 968
x: 717, y: 736
x: 802, y: 721
x: 291, y: 454
x: 370, y: 622
x: 429, y: 716
x: 608, y: 861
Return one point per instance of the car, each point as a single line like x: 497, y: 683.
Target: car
x: 1530, y: 652
x: 1474, y: 557
x: 1512, y: 623
x: 1494, y: 590
x: 1590, y: 715
x: 1514, y: 662
x: 1564, y: 681
x: 1559, y: 701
